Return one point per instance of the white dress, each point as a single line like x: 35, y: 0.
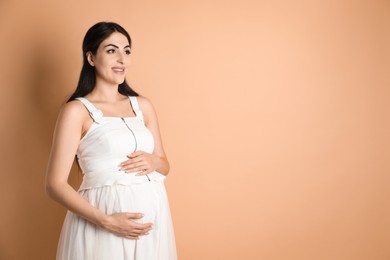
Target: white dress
x: 101, y: 150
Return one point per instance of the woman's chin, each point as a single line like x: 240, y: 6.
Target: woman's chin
x: 119, y: 81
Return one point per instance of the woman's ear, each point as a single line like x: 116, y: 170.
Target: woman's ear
x: 90, y: 58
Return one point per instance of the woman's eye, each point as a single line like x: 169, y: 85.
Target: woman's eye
x: 127, y: 52
x: 111, y: 51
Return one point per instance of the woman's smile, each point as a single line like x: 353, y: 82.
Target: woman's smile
x: 119, y: 70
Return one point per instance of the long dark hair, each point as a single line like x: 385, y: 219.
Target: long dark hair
x: 93, y: 38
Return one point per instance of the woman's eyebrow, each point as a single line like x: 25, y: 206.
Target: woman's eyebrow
x: 113, y: 45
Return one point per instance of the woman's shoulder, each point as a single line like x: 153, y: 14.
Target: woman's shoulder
x: 73, y: 106
x: 144, y: 103
x: 74, y: 109
x: 147, y: 109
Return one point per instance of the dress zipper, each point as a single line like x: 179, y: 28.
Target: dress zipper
x: 135, y: 139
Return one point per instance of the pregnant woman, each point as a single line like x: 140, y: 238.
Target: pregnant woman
x: 121, y: 210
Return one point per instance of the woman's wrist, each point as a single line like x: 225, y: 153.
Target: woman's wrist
x: 163, y: 165
x: 102, y: 220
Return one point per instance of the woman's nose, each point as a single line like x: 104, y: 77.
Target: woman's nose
x: 120, y: 57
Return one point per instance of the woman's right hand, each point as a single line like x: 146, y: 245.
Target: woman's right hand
x: 123, y: 225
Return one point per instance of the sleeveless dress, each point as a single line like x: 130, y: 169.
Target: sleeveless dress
x: 105, y: 145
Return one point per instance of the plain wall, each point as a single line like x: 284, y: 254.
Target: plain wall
x: 274, y: 115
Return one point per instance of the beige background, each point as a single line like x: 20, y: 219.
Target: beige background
x: 274, y: 114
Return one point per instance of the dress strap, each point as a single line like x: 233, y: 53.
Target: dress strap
x: 95, y: 113
x: 137, y: 110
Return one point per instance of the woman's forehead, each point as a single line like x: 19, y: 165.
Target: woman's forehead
x: 117, y: 39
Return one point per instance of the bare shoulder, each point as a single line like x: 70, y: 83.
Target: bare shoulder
x: 74, y: 111
x: 145, y: 103
x: 147, y: 109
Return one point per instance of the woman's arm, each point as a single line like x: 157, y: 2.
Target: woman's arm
x: 140, y: 160
x: 66, y: 139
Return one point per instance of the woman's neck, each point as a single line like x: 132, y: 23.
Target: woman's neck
x: 105, y: 93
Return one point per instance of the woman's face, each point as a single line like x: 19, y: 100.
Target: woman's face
x: 111, y: 60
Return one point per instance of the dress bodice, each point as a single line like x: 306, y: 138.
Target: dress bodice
x: 108, y: 142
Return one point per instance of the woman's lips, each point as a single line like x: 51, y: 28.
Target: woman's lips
x: 118, y: 69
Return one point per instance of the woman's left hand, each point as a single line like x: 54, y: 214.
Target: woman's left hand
x: 141, y: 162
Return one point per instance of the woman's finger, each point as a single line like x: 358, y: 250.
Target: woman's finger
x: 135, y: 154
x: 134, y: 160
x: 134, y: 165
x: 137, y: 169
x: 132, y: 237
